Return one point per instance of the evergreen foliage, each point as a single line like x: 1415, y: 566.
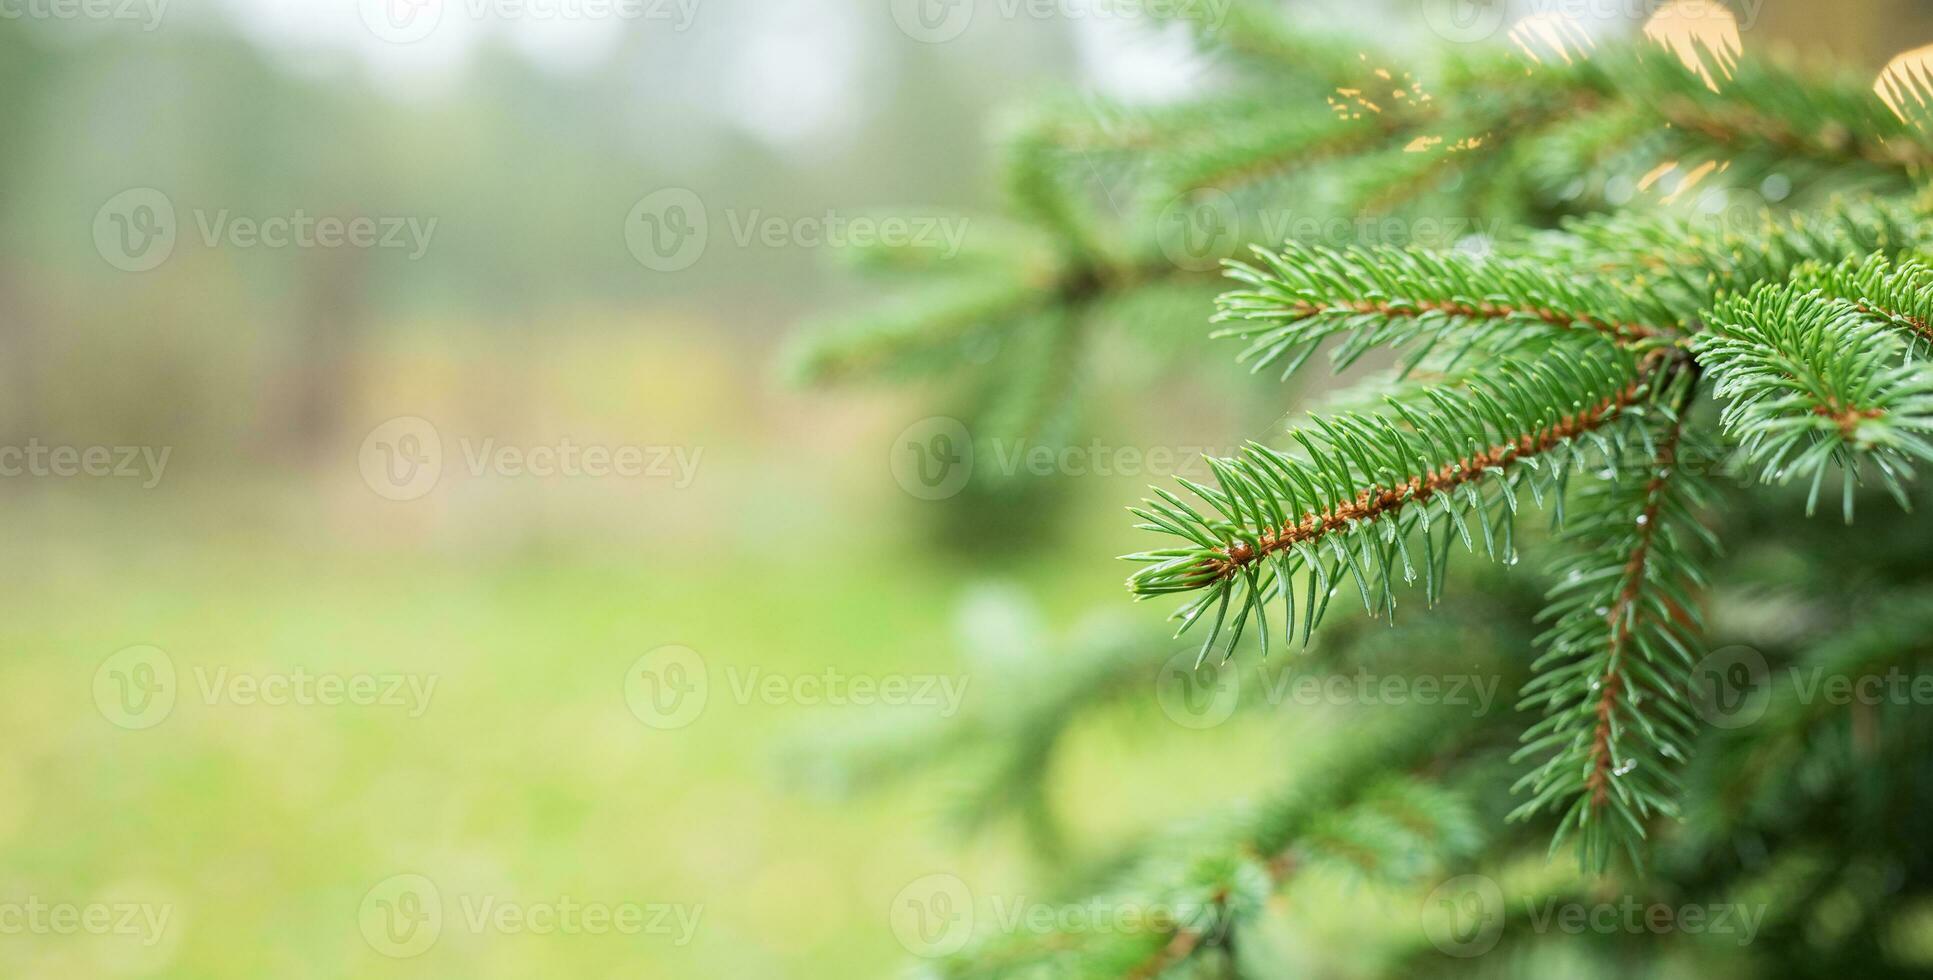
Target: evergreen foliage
x: 1601, y: 362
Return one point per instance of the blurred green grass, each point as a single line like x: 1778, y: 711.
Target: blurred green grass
x: 262, y: 827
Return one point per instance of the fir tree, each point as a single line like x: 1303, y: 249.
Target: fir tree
x: 1670, y: 390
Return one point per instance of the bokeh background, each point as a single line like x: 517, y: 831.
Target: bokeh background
x: 515, y: 160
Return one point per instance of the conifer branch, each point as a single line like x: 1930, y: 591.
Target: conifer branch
x: 1685, y: 263
x: 1899, y: 293
x: 1811, y: 380
x: 1300, y: 295
x: 1613, y: 681
x: 1366, y: 483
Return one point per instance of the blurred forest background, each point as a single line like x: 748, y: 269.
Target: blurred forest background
x: 527, y: 320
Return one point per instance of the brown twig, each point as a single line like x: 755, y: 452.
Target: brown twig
x: 1376, y: 502
x: 1611, y: 683
x: 1486, y: 310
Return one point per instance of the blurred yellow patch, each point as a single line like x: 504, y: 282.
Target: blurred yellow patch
x: 1703, y: 35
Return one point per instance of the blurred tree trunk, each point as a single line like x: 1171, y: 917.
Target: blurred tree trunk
x: 328, y: 329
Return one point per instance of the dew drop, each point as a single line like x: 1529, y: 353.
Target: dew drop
x: 1625, y: 767
x: 1644, y: 519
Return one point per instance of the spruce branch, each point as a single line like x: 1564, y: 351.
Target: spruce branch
x: 1364, y: 485
x: 1613, y: 680
x: 1810, y: 381
x: 1900, y: 293
x: 1301, y: 295
x: 1394, y: 829
x: 1685, y: 263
